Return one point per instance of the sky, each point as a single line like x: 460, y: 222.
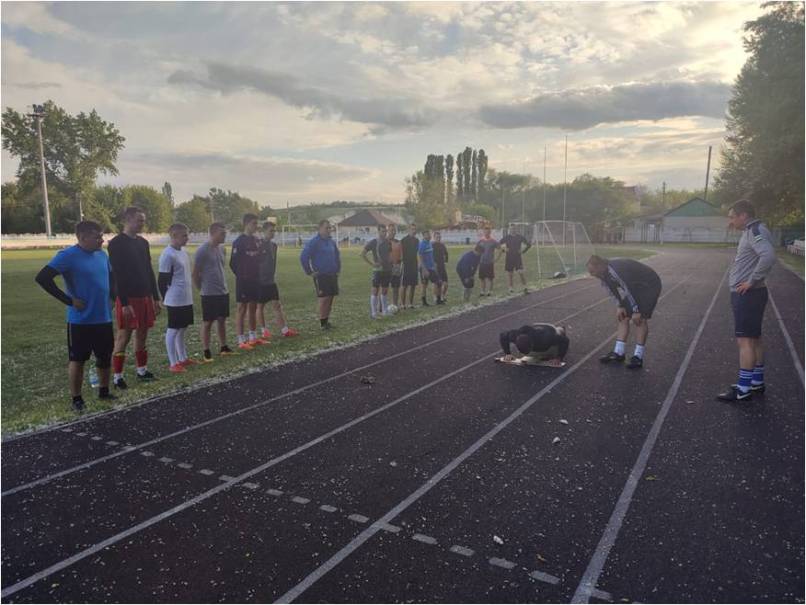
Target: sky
x: 314, y: 102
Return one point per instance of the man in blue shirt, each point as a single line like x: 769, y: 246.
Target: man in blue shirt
x: 87, y: 275
x: 428, y: 269
x: 320, y: 259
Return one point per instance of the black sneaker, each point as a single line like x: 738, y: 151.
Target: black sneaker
x: 327, y: 326
x: 146, y: 377
x: 440, y: 302
x: 734, y: 394
x: 425, y: 303
x: 107, y: 396
x: 635, y: 363
x: 120, y: 383
x: 755, y: 388
x: 78, y: 404
x: 611, y: 357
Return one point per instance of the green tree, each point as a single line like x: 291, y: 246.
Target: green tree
x: 159, y: 214
x: 229, y: 207
x: 482, y: 170
x: 168, y: 192
x: 21, y: 213
x: 449, y: 179
x: 195, y: 213
x: 763, y: 157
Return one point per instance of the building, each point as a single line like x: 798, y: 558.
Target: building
x: 695, y: 221
x: 362, y: 226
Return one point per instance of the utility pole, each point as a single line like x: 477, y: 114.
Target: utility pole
x: 545, y: 155
x: 503, y: 205
x: 663, y: 196
x: 523, y: 199
x: 80, y: 207
x: 39, y: 114
x: 565, y: 185
x: 707, y: 173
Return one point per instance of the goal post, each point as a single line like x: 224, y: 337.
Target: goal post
x: 295, y: 235
x: 562, y: 247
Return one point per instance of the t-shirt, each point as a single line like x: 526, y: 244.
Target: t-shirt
x: 177, y: 263
x: 245, y: 258
x: 488, y: 246
x: 467, y: 265
x: 86, y: 277
x: 440, y: 255
x: 426, y: 252
x: 268, y: 262
x: 410, y: 246
x: 514, y: 244
x: 131, y: 263
x: 209, y: 262
x: 381, y: 253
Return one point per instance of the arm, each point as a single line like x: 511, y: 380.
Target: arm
x: 445, y: 248
x: 562, y: 346
x: 197, y: 274
x: 45, y: 278
x: 503, y: 339
x: 364, y: 252
x: 113, y: 287
x: 164, y: 282
x: 766, y: 258
x: 234, y: 257
x: 528, y: 246
x: 305, y: 258
x: 154, y: 291
x: 119, y: 270
x: 338, y: 257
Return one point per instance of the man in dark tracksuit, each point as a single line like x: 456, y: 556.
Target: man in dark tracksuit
x: 541, y: 341
x: 635, y: 288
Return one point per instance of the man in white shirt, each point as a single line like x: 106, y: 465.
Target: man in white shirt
x: 174, y: 283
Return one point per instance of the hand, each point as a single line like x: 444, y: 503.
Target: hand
x: 555, y: 363
x: 79, y: 304
x: 621, y: 314
x: 636, y: 319
x: 314, y: 274
x: 744, y: 287
x: 508, y: 357
x: 157, y: 307
x: 128, y: 312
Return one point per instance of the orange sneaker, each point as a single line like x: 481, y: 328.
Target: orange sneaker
x: 266, y: 335
x: 189, y: 362
x: 177, y: 368
x: 245, y: 346
x: 258, y: 341
x: 290, y: 333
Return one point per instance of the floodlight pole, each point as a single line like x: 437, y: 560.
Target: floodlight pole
x: 38, y: 114
x: 707, y: 174
x: 565, y: 184
x: 545, y: 155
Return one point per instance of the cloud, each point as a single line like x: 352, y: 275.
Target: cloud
x: 393, y: 113
x: 33, y: 85
x: 578, y: 109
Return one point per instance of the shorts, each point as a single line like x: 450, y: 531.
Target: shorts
x: 487, y: 271
x: 143, y: 313
x: 267, y: 292
x: 429, y: 275
x: 86, y: 339
x: 381, y: 279
x: 442, y: 273
x: 409, y: 277
x: 468, y: 282
x: 246, y: 290
x: 180, y: 317
x: 215, y: 306
x: 395, y: 281
x: 326, y: 285
x: 748, y: 312
x: 513, y: 264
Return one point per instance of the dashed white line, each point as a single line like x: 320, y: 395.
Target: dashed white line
x: 96, y: 438
x: 225, y: 478
x: 146, y: 453
x: 300, y: 500
x: 166, y: 460
x: 462, y: 550
x: 184, y: 465
x: 388, y: 527
x: 358, y: 518
x: 424, y: 539
x: 274, y: 492
x: 113, y: 443
x: 206, y: 471
x: 602, y: 595
x: 541, y: 576
x: 250, y: 485
x: 498, y: 562
x: 328, y: 509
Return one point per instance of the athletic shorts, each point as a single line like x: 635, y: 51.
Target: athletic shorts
x: 143, y: 313
x: 409, y: 276
x: 246, y: 290
x: 215, y: 306
x: 326, y: 285
x: 180, y: 317
x: 748, y: 312
x: 381, y: 279
x: 394, y: 281
x: 513, y: 264
x: 267, y: 293
x: 429, y: 275
x: 95, y: 339
x: 487, y: 271
x: 442, y: 272
x: 468, y: 282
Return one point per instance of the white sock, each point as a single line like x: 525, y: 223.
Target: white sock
x: 384, y: 305
x: 241, y: 339
x: 252, y: 336
x: 373, y: 304
x: 170, y: 345
x: 117, y: 376
x: 181, y: 350
x: 142, y: 371
x: 639, y: 351
x: 619, y: 348
x: 284, y: 330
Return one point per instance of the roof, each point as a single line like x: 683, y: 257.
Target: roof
x: 695, y: 207
x: 366, y: 218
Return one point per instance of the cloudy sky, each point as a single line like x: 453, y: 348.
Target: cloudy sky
x: 305, y: 102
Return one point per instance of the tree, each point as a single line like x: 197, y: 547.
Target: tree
x: 449, y: 179
x: 168, y: 192
x: 195, y: 213
x: 460, y: 177
x: 763, y: 157
x: 228, y: 207
x: 482, y: 170
x: 157, y: 208
x: 21, y: 213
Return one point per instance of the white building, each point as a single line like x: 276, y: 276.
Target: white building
x: 695, y: 221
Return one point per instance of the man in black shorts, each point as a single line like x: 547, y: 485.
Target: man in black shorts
x: 540, y: 341
x: 381, y: 264
x: 268, y: 292
x: 244, y: 262
x: 635, y: 288
x: 87, y: 275
x: 441, y: 260
x: 410, y: 277
x: 513, y: 244
x: 208, y: 276
x: 488, y: 259
x: 321, y: 259
x: 396, y: 257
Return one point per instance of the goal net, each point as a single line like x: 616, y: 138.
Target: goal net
x: 563, y: 247
x: 297, y: 235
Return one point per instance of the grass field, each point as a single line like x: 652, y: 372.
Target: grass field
x: 34, y: 355
x: 793, y: 262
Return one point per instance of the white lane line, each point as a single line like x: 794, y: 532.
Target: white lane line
x: 300, y: 500
x: 206, y: 471
x: 365, y: 535
x: 250, y: 485
x: 358, y: 518
x: 166, y: 460
x: 274, y: 492
x: 146, y: 453
x: 424, y: 539
x: 602, y: 595
x: 591, y: 576
x: 328, y: 509
x: 226, y: 478
x: 112, y: 443
x: 462, y: 550
x: 792, y: 350
x: 96, y: 438
x: 388, y: 527
x: 184, y: 465
x: 502, y: 563
x: 81, y: 434
x: 541, y: 576
x: 91, y: 550
x: 98, y: 415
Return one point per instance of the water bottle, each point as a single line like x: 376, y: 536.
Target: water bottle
x: 93, y: 377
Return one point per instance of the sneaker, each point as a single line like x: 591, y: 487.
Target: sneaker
x: 258, y: 341
x: 225, y: 350
x: 734, y: 394
x: 440, y: 302
x: 635, y: 363
x: 425, y: 303
x: 206, y: 359
x: 189, y: 362
x: 511, y: 291
x: 245, y: 346
x: 290, y: 333
x: 327, y: 326
x: 266, y: 335
x: 754, y: 388
x: 107, y: 397
x: 146, y: 376
x: 78, y: 404
x: 526, y: 290
x: 177, y: 368
x: 120, y: 383
x: 612, y: 356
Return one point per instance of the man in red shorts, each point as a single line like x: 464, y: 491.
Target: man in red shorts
x: 138, y: 301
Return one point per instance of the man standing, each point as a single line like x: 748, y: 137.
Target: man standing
x: 381, y: 264
x: 208, y: 275
x: 466, y: 269
x: 320, y: 258
x: 87, y: 276
x: 244, y: 262
x: 428, y: 269
x: 441, y: 259
x: 755, y: 257
x: 396, y: 256
x: 268, y: 292
x: 513, y: 244
x: 177, y: 296
x: 635, y: 288
x: 410, y: 245
x: 488, y: 259
x: 138, y: 301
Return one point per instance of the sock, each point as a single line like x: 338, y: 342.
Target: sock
x: 323, y: 321
x: 639, y: 351
x: 181, y: 349
x: 170, y: 345
x: 103, y: 391
x: 758, y: 375
x: 241, y: 339
x: 619, y: 348
x: 252, y: 336
x: 208, y: 354
x: 745, y: 377
x: 141, y: 357
x: 117, y: 364
x: 384, y: 305
x: 77, y: 398
x: 284, y: 330
x: 373, y: 304
x: 117, y: 376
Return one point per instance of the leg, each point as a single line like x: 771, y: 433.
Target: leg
x: 641, y: 332
x: 221, y: 324
x: 510, y: 275
x: 140, y: 352
x: 206, y: 329
x: 261, y: 315
x: 75, y: 372
x: 103, y: 377
x: 523, y: 277
x: 395, y: 296
x: 373, y: 302
x: 323, y: 308
x: 623, y: 330
x: 252, y: 316
x: 747, y: 352
x: 240, y: 315
x: 119, y: 354
x: 279, y: 316
x: 759, y: 350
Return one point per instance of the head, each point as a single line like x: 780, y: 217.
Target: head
x: 382, y: 232
x: 478, y: 250
x: 249, y: 224
x: 179, y: 234
x: 269, y: 229
x: 412, y: 229
x: 218, y: 233
x: 487, y: 231
x: 392, y: 231
x: 524, y: 344
x: 597, y: 266
x: 324, y: 228
x: 437, y: 236
x: 134, y: 220
x: 741, y: 213
x: 427, y: 235
x: 89, y: 235
x: 560, y: 330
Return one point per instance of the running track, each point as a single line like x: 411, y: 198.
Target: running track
x: 451, y: 479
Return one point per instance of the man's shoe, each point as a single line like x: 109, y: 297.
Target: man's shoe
x: 78, y: 405
x: 107, y: 397
x: 225, y: 350
x: 245, y: 346
x: 635, y: 363
x: 120, y: 383
x: 146, y: 376
x: 290, y: 333
x: 327, y: 326
x: 189, y: 362
x: 425, y: 303
x: 258, y: 341
x: 754, y: 388
x: 734, y: 394
x: 611, y: 357
x: 440, y: 302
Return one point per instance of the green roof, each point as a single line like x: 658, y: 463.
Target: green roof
x: 695, y: 207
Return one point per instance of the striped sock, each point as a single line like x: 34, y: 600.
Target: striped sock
x: 758, y: 375
x: 745, y: 377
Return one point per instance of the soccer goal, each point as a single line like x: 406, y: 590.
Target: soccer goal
x: 563, y: 247
x: 297, y: 235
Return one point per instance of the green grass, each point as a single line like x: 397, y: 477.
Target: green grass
x: 34, y: 355
x: 790, y: 260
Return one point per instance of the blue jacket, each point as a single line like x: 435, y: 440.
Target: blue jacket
x: 467, y: 265
x: 320, y: 255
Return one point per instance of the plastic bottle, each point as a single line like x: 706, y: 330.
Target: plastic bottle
x: 93, y: 377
